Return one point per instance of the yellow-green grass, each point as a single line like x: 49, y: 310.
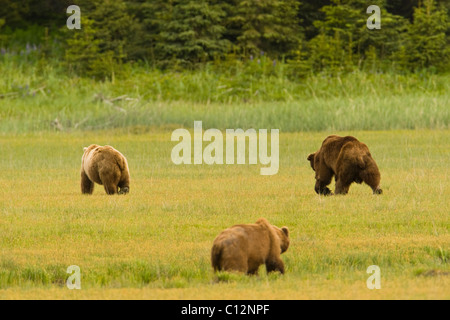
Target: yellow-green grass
x: 154, y: 243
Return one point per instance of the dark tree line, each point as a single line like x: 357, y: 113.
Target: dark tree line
x: 311, y: 35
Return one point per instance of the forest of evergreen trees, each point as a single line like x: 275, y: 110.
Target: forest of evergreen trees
x: 309, y: 35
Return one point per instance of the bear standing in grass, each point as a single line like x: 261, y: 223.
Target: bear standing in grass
x: 245, y: 247
x: 349, y: 160
x: 105, y: 166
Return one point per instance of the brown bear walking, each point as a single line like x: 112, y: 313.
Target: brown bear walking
x: 349, y: 160
x: 105, y: 166
x: 244, y: 247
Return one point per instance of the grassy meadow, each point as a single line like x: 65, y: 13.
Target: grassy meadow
x: 155, y: 242
x: 138, y: 70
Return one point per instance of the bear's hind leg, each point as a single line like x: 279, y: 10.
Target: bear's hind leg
x: 347, y: 173
x: 110, y: 182
x: 87, y: 186
x: 233, y: 261
x: 275, y: 265
x: 342, y: 186
x: 371, y: 177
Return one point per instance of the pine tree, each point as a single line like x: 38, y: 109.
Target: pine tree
x: 153, y: 16
x: 82, y: 51
x: 385, y: 44
x: 428, y: 46
x: 14, y: 12
x: 327, y: 53
x: 232, y: 27
x: 351, y: 43
x: 269, y: 26
x: 115, y: 28
x: 341, y: 28
x: 309, y: 11
x: 107, y: 37
x: 404, y: 8
x: 2, y: 37
x: 191, y: 33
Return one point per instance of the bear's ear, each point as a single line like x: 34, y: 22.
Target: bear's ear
x: 84, y: 149
x: 285, y: 231
x: 311, y: 158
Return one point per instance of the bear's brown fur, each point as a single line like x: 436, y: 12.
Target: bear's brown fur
x: 245, y: 247
x: 349, y: 160
x: 106, y: 166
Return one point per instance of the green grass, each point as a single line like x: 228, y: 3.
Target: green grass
x: 155, y: 242
x: 32, y: 95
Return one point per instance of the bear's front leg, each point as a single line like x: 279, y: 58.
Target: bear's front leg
x: 378, y: 191
x: 321, y: 188
x: 275, y: 265
x: 124, y: 190
x: 253, y: 272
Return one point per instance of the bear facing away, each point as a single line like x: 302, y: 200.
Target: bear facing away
x: 244, y: 247
x: 106, y: 166
x: 348, y: 160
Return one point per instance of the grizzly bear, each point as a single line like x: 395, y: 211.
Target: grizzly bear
x: 244, y: 247
x: 106, y: 166
x: 348, y: 160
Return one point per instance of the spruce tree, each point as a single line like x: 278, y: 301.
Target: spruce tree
x: 335, y: 46
x: 269, y: 26
x: 107, y: 38
x: 153, y: 16
x: 428, y: 44
x: 82, y: 54
x: 384, y: 45
x: 115, y: 28
x: 309, y: 11
x: 351, y: 43
x: 191, y: 33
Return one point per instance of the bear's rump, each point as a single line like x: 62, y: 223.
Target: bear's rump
x: 97, y: 164
x: 239, y: 244
x: 231, y: 251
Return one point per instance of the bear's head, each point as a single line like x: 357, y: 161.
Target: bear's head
x: 283, y: 235
x: 311, y: 159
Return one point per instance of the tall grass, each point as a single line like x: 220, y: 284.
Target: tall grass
x: 259, y: 95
